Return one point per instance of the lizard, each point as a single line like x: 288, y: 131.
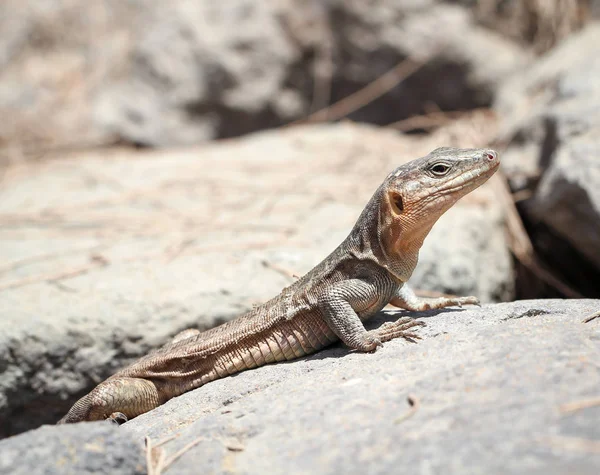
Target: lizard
x: 367, y: 271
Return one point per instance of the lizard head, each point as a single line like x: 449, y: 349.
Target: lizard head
x: 417, y: 193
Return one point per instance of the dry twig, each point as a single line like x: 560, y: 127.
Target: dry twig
x: 96, y: 262
x: 44, y: 257
x: 414, y: 403
x: 520, y: 244
x: 578, y: 405
x: 281, y: 270
x: 433, y: 119
x: 375, y: 89
x: 323, y: 74
x: 154, y: 457
x: 156, y: 460
x: 591, y: 317
x: 180, y: 452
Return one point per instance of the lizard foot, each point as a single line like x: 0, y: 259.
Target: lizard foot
x: 460, y: 301
x: 390, y: 330
x: 408, y: 300
x: 117, y: 418
x: 368, y: 342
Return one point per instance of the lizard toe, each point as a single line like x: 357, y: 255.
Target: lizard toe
x: 117, y: 418
x: 370, y: 342
x: 469, y: 301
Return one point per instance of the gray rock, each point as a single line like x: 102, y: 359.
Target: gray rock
x: 460, y: 75
x: 183, y: 73
x: 490, y: 386
x: 200, y: 70
x: 551, y: 118
x: 123, y: 250
x: 568, y: 197
x: 90, y: 448
x: 550, y: 101
x: 506, y: 388
x: 535, y: 25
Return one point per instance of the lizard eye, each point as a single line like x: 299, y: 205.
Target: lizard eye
x: 439, y: 169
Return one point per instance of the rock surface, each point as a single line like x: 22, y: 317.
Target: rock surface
x: 506, y: 388
x: 551, y: 116
x: 91, y: 448
x: 549, y: 103
x: 568, y: 197
x: 382, y: 34
x: 156, y: 73
x: 122, y: 251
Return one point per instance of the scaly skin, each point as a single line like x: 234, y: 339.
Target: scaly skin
x: 367, y: 271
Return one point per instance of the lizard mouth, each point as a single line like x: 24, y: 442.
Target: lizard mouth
x: 471, y: 179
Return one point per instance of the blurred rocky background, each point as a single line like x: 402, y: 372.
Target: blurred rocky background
x: 170, y: 164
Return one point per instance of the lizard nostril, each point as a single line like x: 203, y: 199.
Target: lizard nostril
x: 491, y: 155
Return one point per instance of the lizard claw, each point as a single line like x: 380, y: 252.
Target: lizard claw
x: 460, y: 301
x: 378, y: 344
x: 470, y: 301
x: 400, y: 329
x: 370, y: 342
x: 117, y: 418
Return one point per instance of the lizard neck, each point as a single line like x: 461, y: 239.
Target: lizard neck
x: 366, y: 241
x: 402, y: 262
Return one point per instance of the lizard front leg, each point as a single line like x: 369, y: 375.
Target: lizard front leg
x: 405, y: 298
x: 339, y: 306
x: 117, y: 399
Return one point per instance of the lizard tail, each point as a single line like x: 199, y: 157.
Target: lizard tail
x: 78, y: 412
x: 130, y: 396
